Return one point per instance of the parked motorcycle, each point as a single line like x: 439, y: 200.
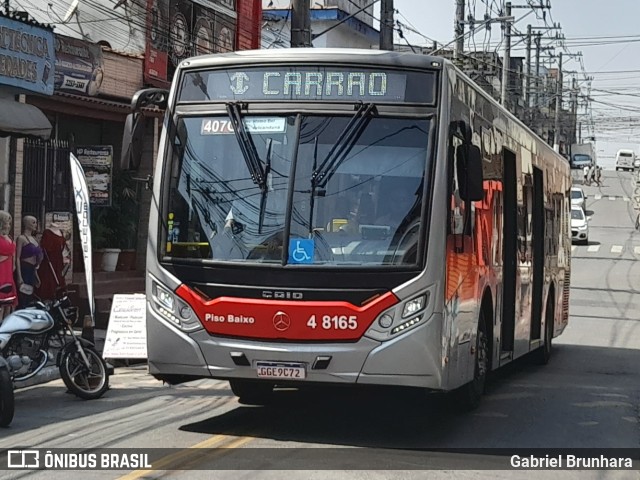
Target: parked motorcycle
x: 30, y: 337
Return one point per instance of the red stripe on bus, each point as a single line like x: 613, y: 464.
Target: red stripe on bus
x: 285, y: 319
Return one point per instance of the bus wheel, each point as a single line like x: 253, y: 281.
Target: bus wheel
x: 469, y: 395
x: 251, y: 392
x: 543, y: 354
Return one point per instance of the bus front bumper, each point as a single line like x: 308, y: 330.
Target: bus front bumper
x: 411, y: 359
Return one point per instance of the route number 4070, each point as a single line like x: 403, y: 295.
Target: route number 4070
x: 213, y: 127
x: 335, y: 322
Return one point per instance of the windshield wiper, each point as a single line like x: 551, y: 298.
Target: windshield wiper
x: 343, y: 145
x: 247, y: 147
x: 263, y: 196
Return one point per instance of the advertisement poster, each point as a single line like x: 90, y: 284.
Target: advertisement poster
x: 127, y: 330
x: 156, y: 44
x: 97, y: 162
x: 177, y: 30
x: 79, y: 66
x: 63, y: 221
x: 83, y: 214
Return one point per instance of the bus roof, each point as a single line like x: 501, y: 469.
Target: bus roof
x: 316, y: 55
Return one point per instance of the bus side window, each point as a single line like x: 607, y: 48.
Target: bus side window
x: 459, y: 222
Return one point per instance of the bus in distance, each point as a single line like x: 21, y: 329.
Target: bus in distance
x: 345, y: 216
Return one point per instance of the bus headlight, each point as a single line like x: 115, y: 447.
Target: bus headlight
x: 163, y: 297
x: 415, y: 305
x: 406, y: 325
x: 174, y: 310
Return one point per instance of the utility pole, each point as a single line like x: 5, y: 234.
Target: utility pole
x: 536, y: 82
x: 527, y: 78
x: 458, y: 30
x: 579, y: 132
x: 556, y: 128
x: 386, y: 25
x: 505, y: 62
x: 300, y: 24
x: 574, y: 108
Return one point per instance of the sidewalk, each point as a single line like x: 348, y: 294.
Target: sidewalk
x: 51, y: 371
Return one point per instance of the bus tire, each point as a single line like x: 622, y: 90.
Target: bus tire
x: 251, y: 392
x: 469, y: 395
x: 543, y: 354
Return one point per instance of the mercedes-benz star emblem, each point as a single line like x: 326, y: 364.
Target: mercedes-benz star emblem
x: 281, y: 321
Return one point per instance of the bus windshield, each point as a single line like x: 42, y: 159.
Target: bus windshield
x: 297, y: 190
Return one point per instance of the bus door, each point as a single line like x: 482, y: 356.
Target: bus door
x: 509, y: 253
x: 538, y: 252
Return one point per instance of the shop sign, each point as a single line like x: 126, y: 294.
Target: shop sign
x: 27, y: 56
x: 79, y: 66
x: 177, y: 30
x: 127, y: 331
x: 97, y: 162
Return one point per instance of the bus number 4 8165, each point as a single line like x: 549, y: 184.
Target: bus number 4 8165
x: 335, y: 322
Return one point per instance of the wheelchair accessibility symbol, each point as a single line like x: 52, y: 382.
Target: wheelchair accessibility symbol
x: 301, y: 250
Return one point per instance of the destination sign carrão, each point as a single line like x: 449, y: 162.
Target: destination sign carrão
x: 308, y: 84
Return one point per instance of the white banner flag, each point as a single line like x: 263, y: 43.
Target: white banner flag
x: 81, y: 199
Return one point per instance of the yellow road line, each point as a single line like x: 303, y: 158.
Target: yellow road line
x: 219, y: 453
x: 175, y: 457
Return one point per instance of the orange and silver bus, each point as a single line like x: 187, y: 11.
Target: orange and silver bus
x: 348, y: 217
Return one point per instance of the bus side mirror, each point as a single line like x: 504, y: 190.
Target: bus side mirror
x: 475, y: 181
x: 134, y: 128
x: 135, y: 125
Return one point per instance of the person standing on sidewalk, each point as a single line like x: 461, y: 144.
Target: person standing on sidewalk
x: 585, y: 175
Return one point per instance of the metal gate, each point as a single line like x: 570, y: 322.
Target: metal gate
x: 46, y: 184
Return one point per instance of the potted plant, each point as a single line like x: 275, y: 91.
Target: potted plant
x: 115, y: 227
x: 100, y: 233
x: 125, y: 219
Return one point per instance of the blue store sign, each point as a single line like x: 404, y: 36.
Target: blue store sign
x: 27, y: 56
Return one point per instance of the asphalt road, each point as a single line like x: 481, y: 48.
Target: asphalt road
x: 588, y: 396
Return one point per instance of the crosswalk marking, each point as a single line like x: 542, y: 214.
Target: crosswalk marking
x: 611, y: 197
x: 616, y: 249
x: 573, y: 248
x: 636, y: 250
x: 593, y: 248
x: 626, y: 199
x: 598, y: 196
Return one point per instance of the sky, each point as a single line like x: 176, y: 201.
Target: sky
x: 615, y: 96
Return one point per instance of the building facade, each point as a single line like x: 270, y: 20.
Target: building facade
x: 104, y: 54
x: 355, y: 32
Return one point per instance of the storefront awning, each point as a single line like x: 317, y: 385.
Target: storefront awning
x: 23, y: 120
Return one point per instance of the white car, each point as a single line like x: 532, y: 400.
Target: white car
x: 579, y: 225
x: 578, y: 198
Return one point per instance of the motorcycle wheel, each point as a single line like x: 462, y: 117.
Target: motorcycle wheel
x: 6, y: 398
x: 88, y: 384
